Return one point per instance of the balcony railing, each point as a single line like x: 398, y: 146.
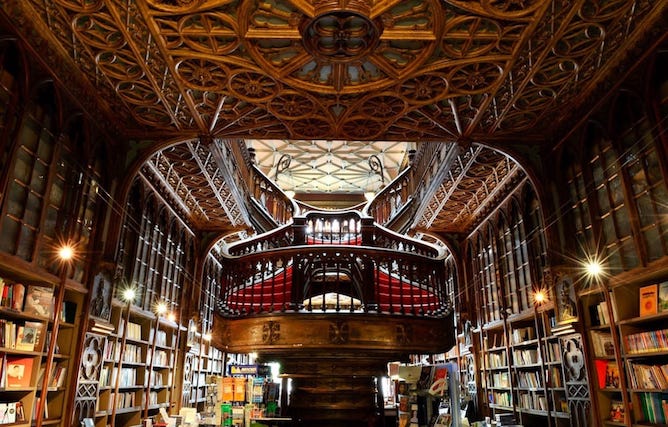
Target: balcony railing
x: 334, y: 262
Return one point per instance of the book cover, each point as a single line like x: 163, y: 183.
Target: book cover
x: 26, y: 338
x: 39, y: 301
x: 7, y: 413
x: 18, y: 295
x: 617, y: 411
x: 19, y: 372
x: 648, y: 299
x: 663, y: 296
x: 612, y: 379
x: 38, y: 327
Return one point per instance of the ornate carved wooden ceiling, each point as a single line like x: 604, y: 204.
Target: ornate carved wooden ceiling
x: 395, y: 70
x: 506, y: 71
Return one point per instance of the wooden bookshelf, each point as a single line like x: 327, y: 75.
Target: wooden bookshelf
x: 35, y: 374
x: 644, y: 347
x: 137, y: 374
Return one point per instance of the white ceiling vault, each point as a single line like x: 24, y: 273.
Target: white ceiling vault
x: 330, y: 166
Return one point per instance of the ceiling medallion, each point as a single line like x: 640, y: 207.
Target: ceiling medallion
x: 340, y: 36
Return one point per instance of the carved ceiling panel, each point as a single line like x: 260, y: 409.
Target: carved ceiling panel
x: 478, y: 179
x: 347, y: 70
x: 308, y: 75
x: 191, y: 179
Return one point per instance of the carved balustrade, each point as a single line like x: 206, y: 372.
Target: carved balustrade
x: 392, y: 206
x: 334, y: 262
x: 275, y: 202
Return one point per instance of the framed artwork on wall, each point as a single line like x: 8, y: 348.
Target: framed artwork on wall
x: 100, y: 306
x: 565, y: 301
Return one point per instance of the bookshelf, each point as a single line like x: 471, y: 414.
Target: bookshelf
x: 606, y: 385
x: 522, y: 371
x: 137, y: 374
x: 33, y: 374
x: 496, y: 373
x: 201, y: 361
x: 644, y: 346
x: 628, y: 340
x: 525, y: 332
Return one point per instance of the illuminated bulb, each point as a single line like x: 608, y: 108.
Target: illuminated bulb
x: 593, y: 268
x: 539, y: 297
x: 66, y: 253
x: 161, y: 308
x: 129, y: 294
x: 171, y: 317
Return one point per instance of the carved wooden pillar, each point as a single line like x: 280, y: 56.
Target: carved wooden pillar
x: 334, y: 390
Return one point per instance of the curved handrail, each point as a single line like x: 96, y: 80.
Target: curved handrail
x: 333, y: 227
x: 289, y: 279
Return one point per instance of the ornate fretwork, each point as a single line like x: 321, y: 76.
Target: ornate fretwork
x: 575, y: 379
x: 271, y: 332
x: 339, y: 332
x: 188, y: 174
x: 391, y: 70
x: 477, y: 179
x: 89, y: 376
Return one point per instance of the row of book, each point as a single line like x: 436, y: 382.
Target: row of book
x: 502, y: 398
x: 497, y: 360
x: 161, y: 358
x: 529, y: 379
x: 133, y: 331
x: 554, y: 351
x: 648, y: 377
x: 57, y: 375
x: 532, y: 401
x: 556, y: 377
x: 30, y: 300
x: 608, y: 375
x: 654, y: 407
x: 653, y: 299
x: 523, y: 334
x: 500, y: 380
x: 12, y: 412
x: 23, y: 336
x: 16, y: 372
x: 527, y: 356
x: 132, y: 354
x: 598, y: 314
x: 602, y: 343
x: 122, y: 400
x: 160, y: 339
x: 648, y: 341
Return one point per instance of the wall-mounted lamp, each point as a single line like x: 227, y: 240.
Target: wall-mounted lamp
x: 539, y: 297
x: 129, y: 295
x: 161, y: 308
x: 593, y: 268
x: 66, y: 252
